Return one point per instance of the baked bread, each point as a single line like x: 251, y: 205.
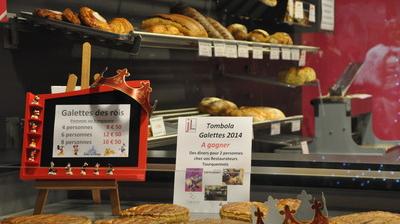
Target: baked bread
x: 196, y: 15
x: 185, y: 25
x: 308, y: 73
x: 238, y: 31
x: 280, y: 38
x: 131, y: 220
x: 47, y: 219
x: 168, y: 213
x: 258, y: 35
x: 373, y: 217
x: 217, y: 221
x: 292, y: 77
x: 48, y: 14
x: 258, y: 113
x: 120, y: 26
x: 221, y: 29
x: 164, y: 29
x: 70, y: 16
x: 271, y: 3
x: 241, y: 210
x: 216, y: 106
x: 93, y: 19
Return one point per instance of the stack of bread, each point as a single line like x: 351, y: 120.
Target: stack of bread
x: 298, y: 76
x: 220, y: 107
x: 87, y: 17
x: 239, y: 32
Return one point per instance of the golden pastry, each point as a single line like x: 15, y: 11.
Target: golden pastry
x: 164, y: 29
x: 216, y: 221
x: 308, y: 73
x: 48, y: 14
x: 47, y: 219
x: 168, y: 213
x: 271, y: 3
x: 280, y: 38
x: 292, y: 77
x: 70, y: 16
x: 131, y: 220
x: 238, y: 31
x: 185, y: 25
x: 196, y: 15
x: 216, y: 106
x: 258, y: 35
x: 241, y: 210
x: 93, y: 19
x: 373, y: 217
x: 120, y: 26
x: 258, y: 113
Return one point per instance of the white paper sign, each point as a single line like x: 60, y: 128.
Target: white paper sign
x: 157, y: 126
x: 91, y: 130
x: 327, y: 15
x: 274, y: 54
x: 243, y: 51
x: 205, y: 49
x: 275, y: 128
x: 296, y: 125
x: 290, y: 8
x: 257, y: 52
x: 311, y: 13
x: 298, y: 10
x: 295, y: 54
x: 219, y: 49
x: 304, y: 147
x: 286, y: 54
x: 213, y: 162
x: 302, y: 60
x: 231, y: 51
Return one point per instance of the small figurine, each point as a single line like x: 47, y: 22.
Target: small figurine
x: 110, y: 170
x: 32, y: 155
x: 83, y: 168
x: 33, y: 143
x: 96, y: 169
x: 76, y: 149
x: 33, y: 127
x: 60, y: 150
x: 35, y: 114
x: 68, y: 169
x: 52, y: 170
x: 35, y: 100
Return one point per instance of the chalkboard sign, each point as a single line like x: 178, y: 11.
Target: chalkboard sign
x: 97, y: 133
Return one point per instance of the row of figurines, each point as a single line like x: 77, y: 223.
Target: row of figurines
x: 68, y: 169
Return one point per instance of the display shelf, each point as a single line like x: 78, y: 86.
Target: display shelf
x: 268, y: 80
x: 288, y: 140
x: 155, y: 40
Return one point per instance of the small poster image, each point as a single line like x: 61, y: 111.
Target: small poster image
x: 232, y: 176
x: 216, y: 193
x: 194, y: 180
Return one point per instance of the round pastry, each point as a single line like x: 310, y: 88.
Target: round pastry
x: 216, y: 106
x: 93, y: 19
x: 221, y: 29
x: 185, y: 25
x: 196, y: 15
x: 217, y: 221
x: 258, y: 35
x: 241, y: 210
x: 374, y: 217
x: 47, y: 219
x: 238, y: 31
x: 292, y: 77
x: 280, y: 38
x: 308, y: 73
x: 164, y: 29
x: 70, y: 16
x: 169, y: 213
x: 131, y: 220
x: 120, y: 26
x: 48, y: 14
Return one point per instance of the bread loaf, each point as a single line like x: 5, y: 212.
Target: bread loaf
x: 93, y: 19
x: 121, y: 26
x: 297, y: 76
x: 271, y: 3
x: 221, y: 29
x: 238, y: 31
x: 280, y: 38
x: 185, y: 25
x: 194, y: 14
x: 164, y: 29
x: 258, y: 35
x: 48, y: 14
x: 216, y: 106
x: 258, y: 113
x: 308, y: 73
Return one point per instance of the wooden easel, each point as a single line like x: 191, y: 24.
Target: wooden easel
x: 94, y: 186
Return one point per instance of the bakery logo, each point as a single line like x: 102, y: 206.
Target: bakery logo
x: 190, y: 125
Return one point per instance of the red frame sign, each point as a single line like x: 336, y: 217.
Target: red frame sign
x: 33, y: 169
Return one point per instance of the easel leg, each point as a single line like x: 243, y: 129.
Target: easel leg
x: 41, y: 201
x: 115, y: 203
x: 96, y: 196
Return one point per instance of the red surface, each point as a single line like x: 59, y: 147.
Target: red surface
x: 365, y: 30
x: 31, y: 170
x: 3, y: 11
